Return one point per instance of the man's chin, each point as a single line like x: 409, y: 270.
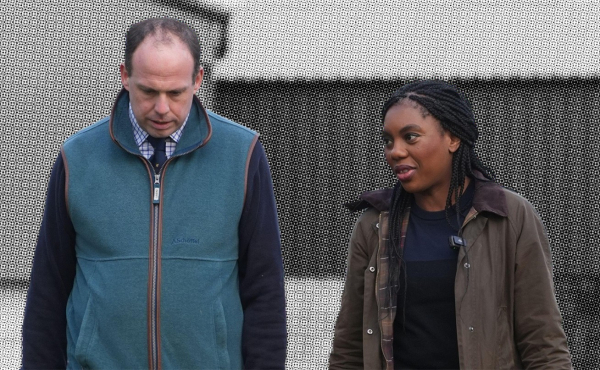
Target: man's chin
x: 160, y: 130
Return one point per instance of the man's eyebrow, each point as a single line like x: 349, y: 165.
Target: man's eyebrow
x: 149, y: 89
x: 180, y: 90
x: 145, y: 88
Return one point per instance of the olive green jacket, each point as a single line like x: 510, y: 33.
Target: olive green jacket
x: 506, y: 312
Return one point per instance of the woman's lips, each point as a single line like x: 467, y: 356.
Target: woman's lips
x: 404, y: 172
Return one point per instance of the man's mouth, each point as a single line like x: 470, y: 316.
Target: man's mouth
x: 159, y: 123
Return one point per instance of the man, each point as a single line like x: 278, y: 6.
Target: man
x: 159, y: 246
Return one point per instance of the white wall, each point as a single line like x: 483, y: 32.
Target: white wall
x: 386, y: 38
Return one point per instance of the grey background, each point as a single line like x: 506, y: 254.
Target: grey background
x: 319, y: 122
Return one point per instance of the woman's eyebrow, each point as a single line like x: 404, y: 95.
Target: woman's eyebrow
x: 410, y: 127
x: 404, y: 129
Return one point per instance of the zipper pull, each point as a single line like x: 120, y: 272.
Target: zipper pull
x: 156, y: 198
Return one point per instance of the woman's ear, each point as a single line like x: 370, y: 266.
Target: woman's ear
x: 454, y: 144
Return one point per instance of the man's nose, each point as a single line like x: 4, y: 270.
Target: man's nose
x: 161, y: 106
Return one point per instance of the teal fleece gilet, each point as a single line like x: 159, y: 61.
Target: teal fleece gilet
x: 110, y: 193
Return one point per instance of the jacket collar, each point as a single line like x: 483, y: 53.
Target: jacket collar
x: 197, y: 131
x: 489, y: 197
x: 378, y: 199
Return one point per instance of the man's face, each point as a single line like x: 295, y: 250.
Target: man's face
x: 160, y: 85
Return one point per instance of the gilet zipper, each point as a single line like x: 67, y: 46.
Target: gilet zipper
x: 155, y: 267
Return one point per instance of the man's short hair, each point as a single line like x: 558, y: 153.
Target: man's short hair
x: 163, y: 28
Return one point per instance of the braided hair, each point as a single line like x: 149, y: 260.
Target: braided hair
x: 451, y: 108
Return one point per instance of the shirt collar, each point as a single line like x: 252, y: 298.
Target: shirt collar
x: 141, y: 135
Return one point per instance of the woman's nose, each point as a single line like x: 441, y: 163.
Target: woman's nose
x: 398, y: 151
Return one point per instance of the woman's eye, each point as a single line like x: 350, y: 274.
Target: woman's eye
x: 386, y: 141
x: 411, y: 137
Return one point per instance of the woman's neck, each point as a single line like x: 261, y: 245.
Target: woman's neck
x: 436, y: 201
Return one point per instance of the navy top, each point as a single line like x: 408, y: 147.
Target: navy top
x: 425, y: 324
x: 260, y: 276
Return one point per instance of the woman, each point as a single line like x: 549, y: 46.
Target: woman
x: 448, y: 270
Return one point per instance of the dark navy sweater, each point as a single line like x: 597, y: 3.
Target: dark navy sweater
x: 425, y: 325
x: 260, y: 276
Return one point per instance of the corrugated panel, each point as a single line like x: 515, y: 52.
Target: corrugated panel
x: 541, y: 136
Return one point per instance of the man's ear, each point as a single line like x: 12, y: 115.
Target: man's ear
x: 124, y: 76
x: 198, y: 79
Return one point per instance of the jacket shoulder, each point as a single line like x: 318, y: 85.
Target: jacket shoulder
x: 218, y: 121
x: 89, y: 134
x: 515, y: 199
x: 521, y: 212
x: 517, y: 204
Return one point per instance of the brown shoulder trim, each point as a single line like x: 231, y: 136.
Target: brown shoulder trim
x: 248, y: 157
x: 112, y: 114
x: 208, y: 125
x: 66, y: 165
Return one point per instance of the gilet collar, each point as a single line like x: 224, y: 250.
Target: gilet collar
x: 197, y: 131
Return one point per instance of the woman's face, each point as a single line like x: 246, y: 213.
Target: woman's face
x: 418, y: 150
